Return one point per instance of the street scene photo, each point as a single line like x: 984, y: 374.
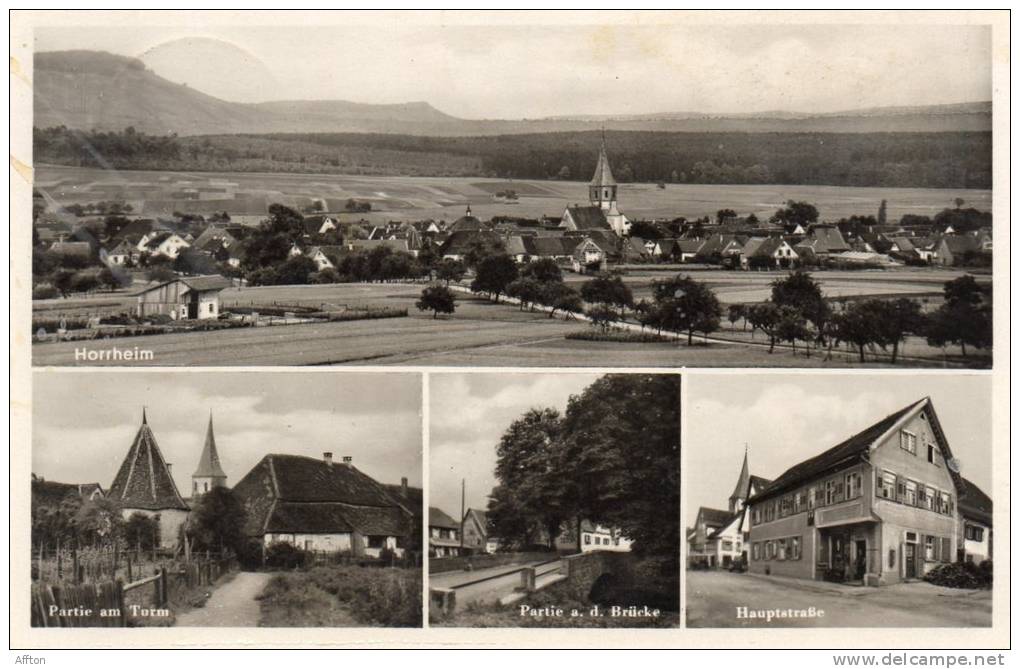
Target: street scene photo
x: 296, y: 500
x: 431, y: 203
x: 554, y: 500
x: 856, y: 501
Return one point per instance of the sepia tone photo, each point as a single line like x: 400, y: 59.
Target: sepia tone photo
x: 295, y: 501
x: 855, y: 502
x: 540, y: 508
x: 805, y: 195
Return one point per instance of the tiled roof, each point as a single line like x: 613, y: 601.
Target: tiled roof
x: 974, y: 503
x: 51, y: 493
x: 303, y: 479
x: 589, y: 218
x: 843, y: 453
x: 143, y: 480
x: 714, y: 516
x: 439, y: 518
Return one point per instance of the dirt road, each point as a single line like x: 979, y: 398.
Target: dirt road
x: 233, y: 604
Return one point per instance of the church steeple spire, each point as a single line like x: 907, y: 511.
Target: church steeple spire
x: 740, y: 491
x: 209, y: 473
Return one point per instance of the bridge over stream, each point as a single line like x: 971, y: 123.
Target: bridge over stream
x: 516, y: 576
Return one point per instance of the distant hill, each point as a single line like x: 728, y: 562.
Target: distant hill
x: 90, y: 90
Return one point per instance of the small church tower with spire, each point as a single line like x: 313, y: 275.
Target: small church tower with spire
x: 739, y: 496
x: 209, y: 473
x: 602, y: 192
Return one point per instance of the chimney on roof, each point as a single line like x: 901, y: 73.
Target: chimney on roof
x: 169, y: 466
x: 347, y: 461
x: 403, y: 485
x: 327, y: 457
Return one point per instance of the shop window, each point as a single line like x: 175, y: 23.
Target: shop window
x: 795, y: 548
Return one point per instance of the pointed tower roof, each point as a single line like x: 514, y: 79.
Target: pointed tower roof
x: 143, y: 480
x: 603, y: 174
x: 209, y: 462
x: 743, y: 482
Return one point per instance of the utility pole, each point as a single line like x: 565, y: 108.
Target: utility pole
x: 462, y: 511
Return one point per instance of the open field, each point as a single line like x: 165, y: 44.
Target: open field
x: 410, y: 198
x: 480, y: 333
x: 745, y: 287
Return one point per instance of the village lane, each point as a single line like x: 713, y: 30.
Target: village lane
x: 714, y: 597
x: 233, y: 604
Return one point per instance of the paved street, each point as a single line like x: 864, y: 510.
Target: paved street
x: 713, y: 600
x: 499, y: 581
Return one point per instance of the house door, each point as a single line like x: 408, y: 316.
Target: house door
x: 860, y: 559
x: 909, y: 555
x: 193, y: 308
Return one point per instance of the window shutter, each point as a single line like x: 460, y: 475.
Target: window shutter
x: 947, y: 550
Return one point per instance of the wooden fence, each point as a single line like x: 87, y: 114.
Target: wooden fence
x: 104, y: 604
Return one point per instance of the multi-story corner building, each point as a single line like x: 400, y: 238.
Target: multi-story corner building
x: 880, y: 507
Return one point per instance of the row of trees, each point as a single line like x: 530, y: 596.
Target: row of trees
x: 797, y: 311
x: 594, y: 462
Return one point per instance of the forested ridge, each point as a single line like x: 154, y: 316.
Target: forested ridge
x: 918, y: 160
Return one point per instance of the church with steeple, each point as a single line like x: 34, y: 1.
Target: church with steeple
x: 209, y: 474
x: 719, y: 537
x: 602, y: 212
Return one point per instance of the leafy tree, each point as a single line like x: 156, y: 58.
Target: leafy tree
x: 619, y: 434
x: 895, y: 319
x: 791, y: 326
x: 437, y: 299
x: 723, y: 214
x: 526, y: 464
x: 608, y: 291
x: 881, y: 213
x: 493, y: 274
x: 525, y: 289
x: 602, y: 316
x: 645, y: 230
x: 858, y: 325
x: 542, y: 270
x: 796, y: 213
x: 965, y: 317
x: 217, y: 522
x: 62, y: 280
x: 964, y: 290
x: 801, y: 292
x: 99, y: 521
x: 450, y: 270
x: 561, y: 297
x: 686, y: 305
x: 735, y: 313
x: 141, y: 531
x: 295, y: 270
x: 480, y: 248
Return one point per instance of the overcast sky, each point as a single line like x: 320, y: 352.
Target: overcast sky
x: 468, y: 415
x: 785, y: 419
x: 84, y: 424
x: 528, y: 71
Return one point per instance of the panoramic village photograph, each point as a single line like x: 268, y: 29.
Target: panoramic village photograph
x: 860, y: 501
x: 226, y: 500
x: 259, y: 195
x: 541, y: 512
